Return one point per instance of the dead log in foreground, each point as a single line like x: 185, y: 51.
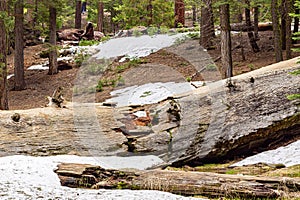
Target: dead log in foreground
x: 177, y: 182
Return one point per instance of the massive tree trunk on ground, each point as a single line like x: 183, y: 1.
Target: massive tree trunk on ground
x: 276, y: 31
x: 78, y: 15
x: 100, y: 21
x: 52, y: 40
x: 252, y: 39
x: 212, y: 124
x: 225, y: 41
x: 178, y: 182
x: 179, y: 13
x: 3, y: 52
x: 207, y: 31
x: 19, y: 46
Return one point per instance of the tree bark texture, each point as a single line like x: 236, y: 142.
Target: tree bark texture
x: 3, y: 66
x: 296, y: 22
x: 52, y: 40
x: 256, y: 14
x: 252, y: 39
x: 283, y: 23
x: 288, y: 7
x: 100, y: 21
x: 179, y: 13
x: 194, y: 9
x: 226, y: 56
x: 19, y: 46
x: 276, y: 31
x: 78, y: 15
x: 207, y: 30
x: 178, y: 182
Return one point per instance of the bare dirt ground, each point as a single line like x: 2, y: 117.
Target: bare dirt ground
x: 39, y: 85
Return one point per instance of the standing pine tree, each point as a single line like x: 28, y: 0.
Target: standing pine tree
x: 100, y: 20
x: 19, y: 46
x: 207, y: 31
x: 225, y: 41
x: 3, y: 48
x: 276, y: 31
x: 52, y: 40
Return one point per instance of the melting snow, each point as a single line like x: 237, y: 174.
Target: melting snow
x: 133, y: 47
x: 288, y: 155
x: 27, y: 177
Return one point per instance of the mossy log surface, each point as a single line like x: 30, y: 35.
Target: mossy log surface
x: 178, y: 182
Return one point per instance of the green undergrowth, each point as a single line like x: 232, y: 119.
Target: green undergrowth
x: 112, y: 82
x: 292, y: 97
x: 132, y: 63
x: 260, y: 169
x: 296, y: 72
x: 88, y: 42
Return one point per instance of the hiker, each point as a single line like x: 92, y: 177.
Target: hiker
x: 83, y: 7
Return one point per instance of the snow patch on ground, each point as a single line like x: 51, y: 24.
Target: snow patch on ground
x: 27, y: 177
x: 288, y: 155
x: 134, y: 47
x: 38, y: 67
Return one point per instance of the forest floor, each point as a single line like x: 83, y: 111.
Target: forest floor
x: 39, y: 85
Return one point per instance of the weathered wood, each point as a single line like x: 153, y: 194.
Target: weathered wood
x: 251, y: 36
x: 3, y: 63
x: 52, y: 41
x: 243, y: 27
x: 215, y: 123
x: 226, y: 56
x: 178, y: 182
x: 78, y: 34
x: 69, y: 34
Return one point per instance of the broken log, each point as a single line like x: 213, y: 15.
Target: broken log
x: 177, y: 182
x: 243, y: 27
x: 78, y: 34
x: 69, y: 35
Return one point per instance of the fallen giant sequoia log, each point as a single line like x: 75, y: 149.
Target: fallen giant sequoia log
x: 178, y: 182
x: 215, y: 123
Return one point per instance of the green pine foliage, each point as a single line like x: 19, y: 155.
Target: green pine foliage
x: 137, y: 13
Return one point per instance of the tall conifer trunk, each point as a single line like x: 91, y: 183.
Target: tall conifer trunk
x: 52, y: 41
x: 276, y: 31
x: 3, y: 66
x: 19, y: 46
x: 225, y: 41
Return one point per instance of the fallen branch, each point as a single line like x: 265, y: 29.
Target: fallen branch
x: 178, y: 182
